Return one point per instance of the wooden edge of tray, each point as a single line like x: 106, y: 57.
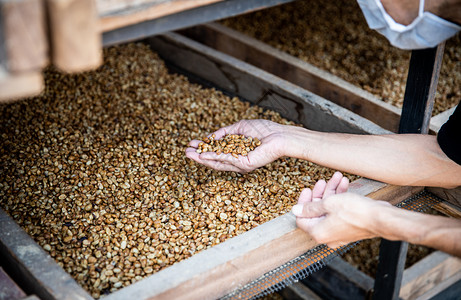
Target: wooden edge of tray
x: 223, y: 268
x: 303, y: 74
x: 32, y: 267
x: 259, y: 87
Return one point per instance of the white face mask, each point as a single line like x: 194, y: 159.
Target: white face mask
x: 426, y: 31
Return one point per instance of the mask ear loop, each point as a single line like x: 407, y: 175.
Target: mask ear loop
x: 421, y: 8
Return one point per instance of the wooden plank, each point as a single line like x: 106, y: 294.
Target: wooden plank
x: 298, y: 291
x: 24, y: 35
x: 452, y: 196
x: 448, y: 289
x: 428, y: 273
x: 119, y: 13
x: 339, y: 280
x: 75, y: 37
x: 259, y: 87
x: 183, y: 19
x: 223, y: 268
x: 28, y: 263
x: 296, y: 71
x: 448, y: 209
x: 8, y: 288
x: 20, y: 85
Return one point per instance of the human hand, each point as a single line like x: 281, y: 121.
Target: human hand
x: 335, y: 217
x: 269, y: 133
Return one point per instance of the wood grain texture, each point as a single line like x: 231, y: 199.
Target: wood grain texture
x: 75, y: 37
x: 296, y: 71
x: 24, y: 35
x: 428, y: 273
x: 8, y: 288
x: 448, y: 209
x: 452, y: 196
x: 38, y: 272
x: 120, y: 13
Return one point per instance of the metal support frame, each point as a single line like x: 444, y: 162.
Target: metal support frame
x: 199, y: 15
x: 422, y: 79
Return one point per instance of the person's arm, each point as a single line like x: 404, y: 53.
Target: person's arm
x: 402, y: 159
x: 349, y: 217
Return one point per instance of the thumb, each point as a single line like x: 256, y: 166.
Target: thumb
x: 309, y: 210
x: 305, y: 196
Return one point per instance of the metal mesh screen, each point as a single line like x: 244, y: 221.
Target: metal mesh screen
x: 314, y: 259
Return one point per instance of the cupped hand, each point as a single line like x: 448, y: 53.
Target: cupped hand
x: 270, y: 134
x: 334, y: 217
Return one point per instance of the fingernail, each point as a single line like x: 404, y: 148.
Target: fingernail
x: 297, y: 210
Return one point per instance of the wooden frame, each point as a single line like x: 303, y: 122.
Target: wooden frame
x: 227, y: 266
x: 23, y: 48
x: 303, y: 74
x: 149, y: 17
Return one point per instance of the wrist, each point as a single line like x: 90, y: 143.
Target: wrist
x: 290, y: 141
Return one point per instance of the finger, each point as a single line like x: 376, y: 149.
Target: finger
x: 343, y: 186
x: 194, y: 143
x: 228, y: 158
x: 220, y: 166
x: 305, y: 196
x: 319, y: 188
x: 223, y: 131
x: 332, y: 185
x: 192, y: 154
x: 309, y: 210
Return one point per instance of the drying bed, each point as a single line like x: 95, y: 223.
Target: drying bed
x: 94, y: 171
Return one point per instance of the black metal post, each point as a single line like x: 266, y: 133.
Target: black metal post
x: 416, y: 114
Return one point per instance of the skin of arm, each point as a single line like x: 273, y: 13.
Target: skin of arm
x: 333, y: 217
x: 401, y: 159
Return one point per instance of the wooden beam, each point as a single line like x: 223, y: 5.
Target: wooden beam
x: 29, y: 264
x: 20, y: 85
x: 340, y: 280
x: 448, y: 209
x: 298, y: 291
x: 259, y: 87
x: 223, y: 268
x: 448, y: 289
x: 8, y: 288
x: 428, y: 273
x: 296, y: 71
x: 23, y: 37
x: 452, y: 196
x: 75, y: 37
x: 182, y: 19
x: 120, y: 13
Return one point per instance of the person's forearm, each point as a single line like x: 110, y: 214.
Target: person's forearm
x: 437, y: 232
x: 409, y: 159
